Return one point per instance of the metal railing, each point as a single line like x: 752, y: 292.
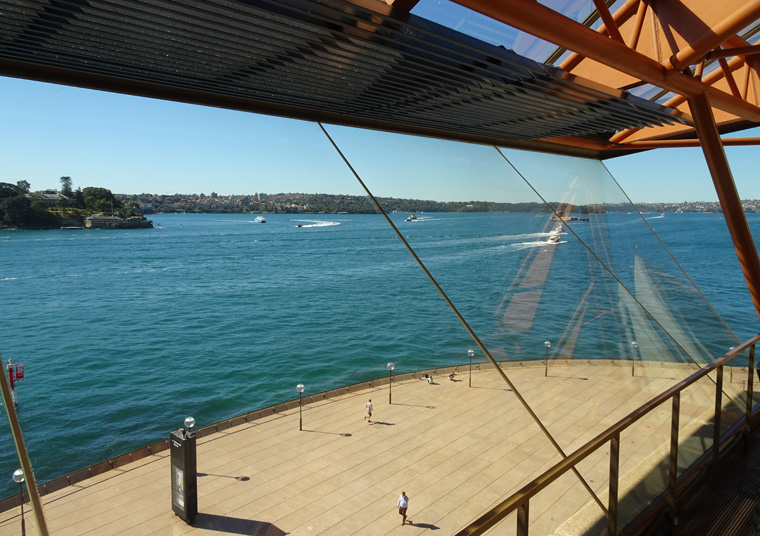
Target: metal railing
x: 519, y: 502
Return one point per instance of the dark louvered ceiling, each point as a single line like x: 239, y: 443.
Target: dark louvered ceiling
x: 346, y: 62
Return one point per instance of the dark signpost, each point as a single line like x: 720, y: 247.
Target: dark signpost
x: 184, y: 475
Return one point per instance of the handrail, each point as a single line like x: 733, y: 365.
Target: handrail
x: 519, y: 500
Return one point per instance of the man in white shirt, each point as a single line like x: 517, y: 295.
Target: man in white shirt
x: 368, y: 416
x: 403, y: 504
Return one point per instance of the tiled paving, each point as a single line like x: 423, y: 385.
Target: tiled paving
x: 455, y: 450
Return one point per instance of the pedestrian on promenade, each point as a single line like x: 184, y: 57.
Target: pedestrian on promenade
x: 403, y: 504
x: 368, y: 416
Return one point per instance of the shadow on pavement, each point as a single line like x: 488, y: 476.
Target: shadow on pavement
x: 236, y: 525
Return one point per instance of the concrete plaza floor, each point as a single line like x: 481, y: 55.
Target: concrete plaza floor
x: 456, y: 451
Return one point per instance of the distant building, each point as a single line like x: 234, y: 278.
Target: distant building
x: 48, y: 198
x: 103, y: 221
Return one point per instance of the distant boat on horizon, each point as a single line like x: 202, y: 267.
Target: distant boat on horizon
x: 260, y: 219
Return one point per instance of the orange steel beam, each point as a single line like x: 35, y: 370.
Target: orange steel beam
x: 620, y: 136
x: 729, y: 78
x: 622, y: 14
x: 711, y: 78
x: 536, y: 19
x: 669, y: 144
x: 715, y: 35
x: 582, y: 143
x: 729, y: 198
x: 608, y: 21
x: 638, y: 24
x: 728, y: 52
x: 747, y: 76
x: 698, y: 70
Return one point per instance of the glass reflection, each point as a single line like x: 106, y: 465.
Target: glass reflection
x: 532, y: 248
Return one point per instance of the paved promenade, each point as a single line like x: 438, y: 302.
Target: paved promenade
x: 456, y: 451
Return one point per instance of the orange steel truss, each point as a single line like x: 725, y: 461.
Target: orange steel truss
x: 663, y: 43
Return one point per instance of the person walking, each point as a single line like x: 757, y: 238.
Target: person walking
x: 368, y: 416
x: 403, y: 504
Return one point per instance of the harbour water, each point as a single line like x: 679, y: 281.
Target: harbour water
x: 124, y: 333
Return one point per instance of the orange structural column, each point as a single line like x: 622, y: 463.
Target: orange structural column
x: 727, y: 194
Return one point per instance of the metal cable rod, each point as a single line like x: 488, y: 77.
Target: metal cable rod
x: 477, y: 340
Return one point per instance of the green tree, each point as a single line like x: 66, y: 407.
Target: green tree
x: 78, y: 199
x: 66, y: 186
x: 24, y: 186
x: 9, y: 190
x: 100, y: 200
x: 16, y: 211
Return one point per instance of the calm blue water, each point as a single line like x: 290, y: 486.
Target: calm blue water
x: 124, y: 333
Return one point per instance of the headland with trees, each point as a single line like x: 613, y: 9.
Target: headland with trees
x: 20, y: 208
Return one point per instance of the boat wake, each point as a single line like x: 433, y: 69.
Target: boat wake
x: 315, y: 223
x: 528, y: 245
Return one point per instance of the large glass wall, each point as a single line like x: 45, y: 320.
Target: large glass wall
x: 550, y: 265
x: 538, y: 262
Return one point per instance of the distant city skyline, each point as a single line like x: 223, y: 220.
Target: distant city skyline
x: 134, y: 145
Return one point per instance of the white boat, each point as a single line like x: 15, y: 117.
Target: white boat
x: 260, y: 219
x: 411, y: 217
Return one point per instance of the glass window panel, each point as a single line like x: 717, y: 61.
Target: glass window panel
x: 474, y: 24
x: 588, y: 279
x: 697, y: 420
x: 644, y: 455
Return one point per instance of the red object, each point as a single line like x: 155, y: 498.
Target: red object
x: 15, y: 372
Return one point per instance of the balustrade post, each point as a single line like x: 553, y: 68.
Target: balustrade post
x: 673, y: 470
x: 750, y: 394
x: 716, y: 427
x: 612, y: 508
x: 522, y: 519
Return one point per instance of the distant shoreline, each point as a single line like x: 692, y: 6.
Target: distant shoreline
x: 299, y: 203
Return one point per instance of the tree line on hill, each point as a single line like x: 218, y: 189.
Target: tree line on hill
x: 22, y: 209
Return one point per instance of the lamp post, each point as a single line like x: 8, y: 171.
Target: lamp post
x: 18, y: 478
x: 470, y: 353
x: 548, y: 345
x: 390, y: 367
x: 634, y: 345
x: 300, y: 389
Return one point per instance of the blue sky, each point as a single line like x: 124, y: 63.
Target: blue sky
x: 135, y: 145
